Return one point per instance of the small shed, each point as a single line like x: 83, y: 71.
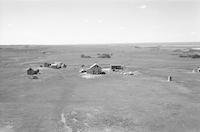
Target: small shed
x: 31, y: 71
x: 94, y: 69
x: 116, y: 67
x: 198, y: 69
x: 47, y: 64
x: 169, y: 79
x: 58, y: 65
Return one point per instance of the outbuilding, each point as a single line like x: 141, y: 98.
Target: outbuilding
x: 58, y: 65
x: 94, y: 69
x: 31, y: 71
x: 198, y: 69
x: 47, y: 64
x: 116, y: 67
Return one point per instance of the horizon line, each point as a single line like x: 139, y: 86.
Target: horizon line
x: 120, y: 43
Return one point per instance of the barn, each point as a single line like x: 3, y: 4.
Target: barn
x: 94, y: 69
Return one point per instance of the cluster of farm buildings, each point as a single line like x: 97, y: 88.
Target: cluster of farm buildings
x: 94, y: 69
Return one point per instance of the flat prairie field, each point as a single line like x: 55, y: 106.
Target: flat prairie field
x: 62, y: 100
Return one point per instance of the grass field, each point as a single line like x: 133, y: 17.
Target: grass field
x: 62, y: 101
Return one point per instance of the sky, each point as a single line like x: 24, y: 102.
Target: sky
x: 98, y: 21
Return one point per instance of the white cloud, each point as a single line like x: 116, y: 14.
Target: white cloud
x: 86, y: 20
x: 142, y: 6
x: 192, y: 33
x: 10, y: 25
x: 100, y: 21
x: 122, y: 28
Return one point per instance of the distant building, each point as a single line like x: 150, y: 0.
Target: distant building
x: 47, y: 64
x: 30, y: 71
x: 58, y: 65
x: 198, y: 69
x: 82, y: 71
x: 116, y: 67
x: 169, y: 79
x: 94, y: 69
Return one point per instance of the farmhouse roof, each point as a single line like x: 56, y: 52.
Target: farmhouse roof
x: 95, y: 64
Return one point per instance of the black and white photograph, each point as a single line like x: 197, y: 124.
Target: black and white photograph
x: 99, y: 65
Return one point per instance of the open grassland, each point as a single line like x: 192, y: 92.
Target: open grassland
x: 62, y: 101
